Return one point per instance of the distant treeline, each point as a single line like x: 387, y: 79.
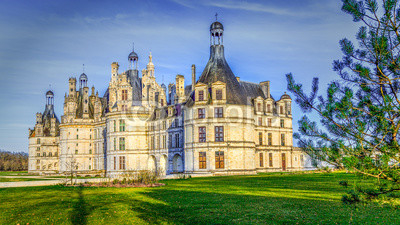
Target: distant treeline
x: 13, y: 161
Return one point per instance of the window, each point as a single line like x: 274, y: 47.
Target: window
x: 124, y: 94
x: 283, y: 139
x: 44, y: 153
x: 282, y: 123
x: 281, y: 110
x: 121, y: 125
x: 90, y: 151
x: 202, y: 134
x: 259, y: 121
x: 115, y: 126
x: 122, y: 162
x: 38, y: 141
x: 176, y: 122
x: 219, y: 112
x: 301, y: 159
x: 269, y: 122
x: 261, y: 159
x: 164, y: 141
x: 219, y: 133
x: 38, y: 149
x: 162, y: 102
x: 269, y: 139
x: 202, y: 113
x: 219, y: 160
x: 259, y: 107
x: 260, y: 138
x: 177, y: 140
x: 170, y: 141
x: 90, y: 167
x: 201, y: 95
x: 270, y: 160
x: 202, y: 160
x: 90, y: 136
x: 38, y: 161
x: 268, y: 108
x: 50, y: 154
x: 55, y: 154
x: 124, y: 108
x: 115, y: 163
x: 218, y: 94
x: 77, y: 136
x: 76, y: 151
x: 38, y: 154
x: 115, y: 144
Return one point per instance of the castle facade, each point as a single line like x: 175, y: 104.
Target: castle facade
x: 218, y: 124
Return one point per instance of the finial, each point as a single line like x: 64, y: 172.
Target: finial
x: 216, y: 16
x: 133, y: 46
x: 150, y: 57
x: 83, y: 68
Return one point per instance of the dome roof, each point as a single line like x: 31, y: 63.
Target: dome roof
x: 133, y: 56
x: 49, y: 93
x: 285, y: 96
x: 216, y: 25
x: 83, y: 77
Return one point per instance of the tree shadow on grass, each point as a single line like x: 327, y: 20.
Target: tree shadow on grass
x: 80, y: 209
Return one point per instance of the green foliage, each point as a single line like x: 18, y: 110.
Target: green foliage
x: 351, y: 197
x: 343, y: 183
x: 360, y: 114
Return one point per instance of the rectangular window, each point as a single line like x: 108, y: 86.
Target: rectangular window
x: 202, y: 134
x: 121, y: 143
x: 219, y: 133
x: 177, y: 140
x: 270, y: 122
x: 115, y: 126
x: 122, y: 162
x: 281, y: 110
x: 283, y: 139
x: 259, y: 107
x: 219, y: 160
x: 260, y: 138
x: 259, y: 121
x: 201, y: 95
x: 176, y: 122
x: 269, y: 108
x: 124, y: 94
x: 115, y: 144
x: 202, y: 160
x: 202, y: 113
x: 121, y: 125
x: 282, y: 123
x: 170, y: 141
x: 162, y: 102
x: 115, y: 163
x: 218, y: 94
x: 219, y: 112
x: 164, y: 143
x: 77, y: 136
x: 269, y: 139
x: 38, y: 141
x: 270, y: 160
x: 261, y: 159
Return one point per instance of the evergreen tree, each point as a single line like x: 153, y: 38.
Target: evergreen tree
x: 360, y: 114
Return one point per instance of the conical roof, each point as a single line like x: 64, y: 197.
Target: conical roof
x: 217, y: 69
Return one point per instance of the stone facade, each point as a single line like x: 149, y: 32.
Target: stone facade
x: 217, y: 125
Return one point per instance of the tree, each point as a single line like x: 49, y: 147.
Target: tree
x: 360, y: 114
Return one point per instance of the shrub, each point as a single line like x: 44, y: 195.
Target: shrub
x: 351, y: 197
x: 343, y: 183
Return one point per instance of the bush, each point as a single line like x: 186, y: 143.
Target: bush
x: 343, y: 183
x: 351, y: 197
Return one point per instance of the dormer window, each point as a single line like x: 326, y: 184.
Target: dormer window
x: 259, y: 107
x: 269, y: 108
x: 281, y: 110
x: 218, y: 94
x: 201, y: 95
x: 124, y: 94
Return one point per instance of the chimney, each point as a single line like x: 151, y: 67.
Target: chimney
x: 193, y: 76
x: 265, y: 88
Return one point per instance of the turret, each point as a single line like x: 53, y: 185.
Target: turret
x: 83, y: 81
x: 150, y: 66
x: 39, y: 118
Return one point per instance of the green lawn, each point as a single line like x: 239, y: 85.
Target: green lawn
x: 263, y: 199
x: 14, y: 173
x: 18, y: 179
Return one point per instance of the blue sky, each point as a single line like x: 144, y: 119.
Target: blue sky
x: 45, y: 42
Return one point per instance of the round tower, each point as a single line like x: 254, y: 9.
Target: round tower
x: 216, y: 33
x: 83, y: 79
x: 49, y: 98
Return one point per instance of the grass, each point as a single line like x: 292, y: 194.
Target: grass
x: 18, y: 179
x: 270, y: 198
x: 14, y: 173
